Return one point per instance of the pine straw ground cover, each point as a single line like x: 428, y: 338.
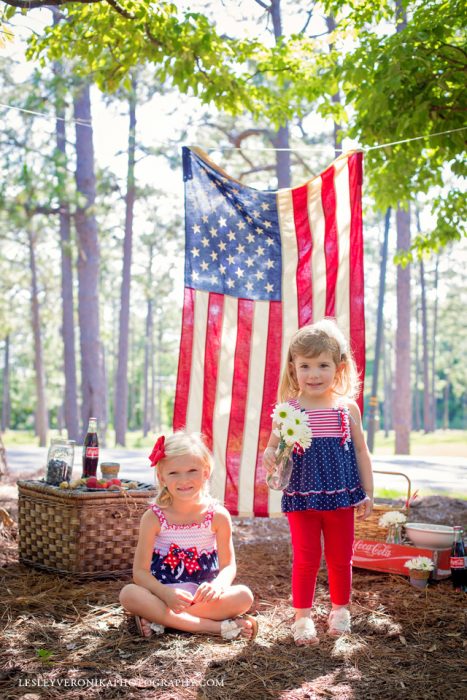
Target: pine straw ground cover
x: 64, y: 639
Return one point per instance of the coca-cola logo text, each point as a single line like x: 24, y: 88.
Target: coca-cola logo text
x: 375, y: 549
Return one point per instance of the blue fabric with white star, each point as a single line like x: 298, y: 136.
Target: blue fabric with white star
x: 324, y: 477
x: 233, y: 243
x: 208, y: 561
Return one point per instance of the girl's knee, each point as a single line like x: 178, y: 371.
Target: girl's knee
x: 245, y: 595
x: 127, y: 594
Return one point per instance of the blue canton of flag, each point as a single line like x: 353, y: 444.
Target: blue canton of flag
x: 233, y: 244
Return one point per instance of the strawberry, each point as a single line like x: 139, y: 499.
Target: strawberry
x: 117, y: 482
x: 92, y: 482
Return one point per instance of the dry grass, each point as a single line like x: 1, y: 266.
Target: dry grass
x: 404, y: 643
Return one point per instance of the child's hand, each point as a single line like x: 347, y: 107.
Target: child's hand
x: 269, y: 459
x: 177, y: 599
x: 365, y: 508
x: 207, y: 592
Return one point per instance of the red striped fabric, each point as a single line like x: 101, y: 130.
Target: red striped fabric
x: 233, y: 347
x: 239, y: 394
x: 184, y: 359
x: 357, y: 317
x: 331, y: 241
x: 211, y: 355
x: 304, y: 247
x: 325, y: 423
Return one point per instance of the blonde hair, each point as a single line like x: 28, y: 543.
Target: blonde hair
x: 311, y: 341
x: 176, y: 445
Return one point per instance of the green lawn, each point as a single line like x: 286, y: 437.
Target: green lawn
x: 442, y: 443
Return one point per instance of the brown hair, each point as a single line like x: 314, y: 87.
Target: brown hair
x: 176, y: 445
x: 311, y: 341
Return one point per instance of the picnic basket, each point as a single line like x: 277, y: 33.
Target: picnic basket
x: 85, y: 534
x: 369, y: 529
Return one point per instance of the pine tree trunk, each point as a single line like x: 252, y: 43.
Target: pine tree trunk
x: 387, y: 380
x: 105, y: 394
x: 282, y: 137
x: 148, y: 350
x: 373, y: 413
x: 152, y: 400
x: 402, y: 398
x: 121, y: 386
x: 6, y: 406
x: 426, y: 380
x: 433, y: 351
x: 68, y: 324
x: 42, y: 422
x: 146, y: 373
x: 417, y: 415
x: 3, y: 460
x: 92, y: 385
x: 446, y: 404
x: 336, y: 98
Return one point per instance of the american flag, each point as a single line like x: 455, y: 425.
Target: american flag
x: 258, y: 266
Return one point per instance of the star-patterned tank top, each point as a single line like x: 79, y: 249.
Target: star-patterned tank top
x: 185, y: 553
x: 325, y: 476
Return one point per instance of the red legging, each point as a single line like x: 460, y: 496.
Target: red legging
x: 337, y: 527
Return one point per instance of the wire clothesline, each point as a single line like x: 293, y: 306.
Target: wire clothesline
x: 85, y: 122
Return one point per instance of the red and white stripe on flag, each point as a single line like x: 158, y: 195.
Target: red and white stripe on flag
x: 232, y: 350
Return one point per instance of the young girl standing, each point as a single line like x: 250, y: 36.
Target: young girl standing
x: 184, y: 563
x: 330, y: 478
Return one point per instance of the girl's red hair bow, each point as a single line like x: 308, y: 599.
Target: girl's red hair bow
x: 158, y: 451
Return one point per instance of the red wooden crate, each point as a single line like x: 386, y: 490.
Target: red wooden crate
x: 390, y: 558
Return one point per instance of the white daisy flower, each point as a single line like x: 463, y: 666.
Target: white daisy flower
x: 392, y: 518
x: 290, y: 432
x: 282, y: 412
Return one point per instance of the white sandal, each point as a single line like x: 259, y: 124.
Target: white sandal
x: 339, y: 622
x: 304, y: 632
x: 230, y: 630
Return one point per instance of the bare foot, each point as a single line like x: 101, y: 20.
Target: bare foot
x: 143, y: 626
x: 249, y: 626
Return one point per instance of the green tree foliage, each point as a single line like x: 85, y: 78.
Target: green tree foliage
x: 109, y: 39
x: 400, y: 85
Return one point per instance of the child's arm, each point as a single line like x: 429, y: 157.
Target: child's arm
x: 222, y: 526
x: 149, y: 528
x: 363, y: 460
x: 269, y: 454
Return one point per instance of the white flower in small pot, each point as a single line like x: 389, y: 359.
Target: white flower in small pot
x: 420, y: 569
x: 393, y: 521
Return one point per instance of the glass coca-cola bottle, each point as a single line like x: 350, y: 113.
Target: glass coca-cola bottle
x: 90, y: 450
x: 458, y: 562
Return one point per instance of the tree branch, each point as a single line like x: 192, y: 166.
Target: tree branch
x: 121, y: 10
x: 32, y: 4
x: 258, y: 169
x: 264, y: 5
x: 308, y: 20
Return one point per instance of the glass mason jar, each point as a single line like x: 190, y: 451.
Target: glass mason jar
x: 394, y: 535
x: 279, y: 479
x: 60, y: 461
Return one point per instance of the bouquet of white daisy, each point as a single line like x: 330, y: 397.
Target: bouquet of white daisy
x: 292, y: 431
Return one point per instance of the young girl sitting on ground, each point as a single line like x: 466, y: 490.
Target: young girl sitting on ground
x: 330, y: 478
x: 184, y: 563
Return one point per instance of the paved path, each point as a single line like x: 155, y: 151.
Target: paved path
x: 443, y: 475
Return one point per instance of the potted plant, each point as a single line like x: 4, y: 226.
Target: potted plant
x: 420, y: 569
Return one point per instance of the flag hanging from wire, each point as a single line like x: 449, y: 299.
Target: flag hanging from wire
x: 258, y: 266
